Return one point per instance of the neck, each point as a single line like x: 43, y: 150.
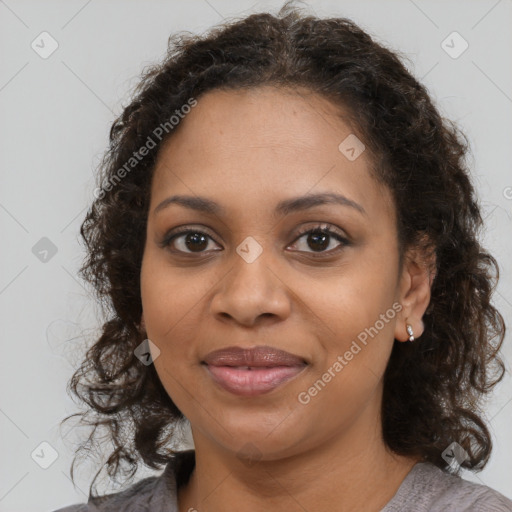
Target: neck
x: 351, y: 471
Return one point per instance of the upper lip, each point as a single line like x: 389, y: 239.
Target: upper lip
x: 259, y: 356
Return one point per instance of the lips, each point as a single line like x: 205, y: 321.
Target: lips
x: 261, y: 356
x: 251, y: 372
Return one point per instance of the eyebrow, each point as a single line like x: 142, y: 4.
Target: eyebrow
x: 205, y: 205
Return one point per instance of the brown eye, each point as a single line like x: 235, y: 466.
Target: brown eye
x: 188, y: 241
x: 196, y: 241
x: 318, y: 240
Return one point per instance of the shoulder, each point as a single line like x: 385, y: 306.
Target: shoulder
x: 428, y: 488
x: 155, y: 493
x: 131, y: 498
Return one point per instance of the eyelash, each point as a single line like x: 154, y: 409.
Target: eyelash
x: 320, y: 229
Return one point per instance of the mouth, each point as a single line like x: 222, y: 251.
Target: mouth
x: 255, y: 371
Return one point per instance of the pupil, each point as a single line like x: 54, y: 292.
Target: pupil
x: 192, y: 238
x: 323, y: 237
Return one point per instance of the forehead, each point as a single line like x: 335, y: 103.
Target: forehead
x: 269, y: 142
x: 278, y: 118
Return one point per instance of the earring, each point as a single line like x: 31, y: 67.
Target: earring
x: 409, y: 332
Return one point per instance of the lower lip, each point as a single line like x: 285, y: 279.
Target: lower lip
x: 255, y: 381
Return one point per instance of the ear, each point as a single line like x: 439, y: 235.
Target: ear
x: 414, y: 292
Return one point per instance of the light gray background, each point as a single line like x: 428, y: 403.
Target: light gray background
x: 56, y: 114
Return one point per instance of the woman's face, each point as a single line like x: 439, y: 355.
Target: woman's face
x: 248, y: 277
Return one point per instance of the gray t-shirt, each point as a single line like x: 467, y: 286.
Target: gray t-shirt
x: 426, y: 488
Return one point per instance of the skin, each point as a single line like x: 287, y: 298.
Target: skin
x: 248, y: 150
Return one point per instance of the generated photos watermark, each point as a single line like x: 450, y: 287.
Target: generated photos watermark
x: 304, y: 397
x: 158, y: 133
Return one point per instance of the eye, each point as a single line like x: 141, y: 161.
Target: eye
x: 188, y: 241
x: 319, y: 239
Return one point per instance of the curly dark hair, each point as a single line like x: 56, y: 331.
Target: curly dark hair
x: 432, y: 389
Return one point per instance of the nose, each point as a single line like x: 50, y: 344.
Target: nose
x: 251, y: 292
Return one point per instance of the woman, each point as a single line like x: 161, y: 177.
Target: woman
x: 286, y: 234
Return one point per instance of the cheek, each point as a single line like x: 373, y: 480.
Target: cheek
x: 174, y: 315
x: 357, y: 324
x: 350, y: 300
x: 168, y: 296
x: 350, y: 375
